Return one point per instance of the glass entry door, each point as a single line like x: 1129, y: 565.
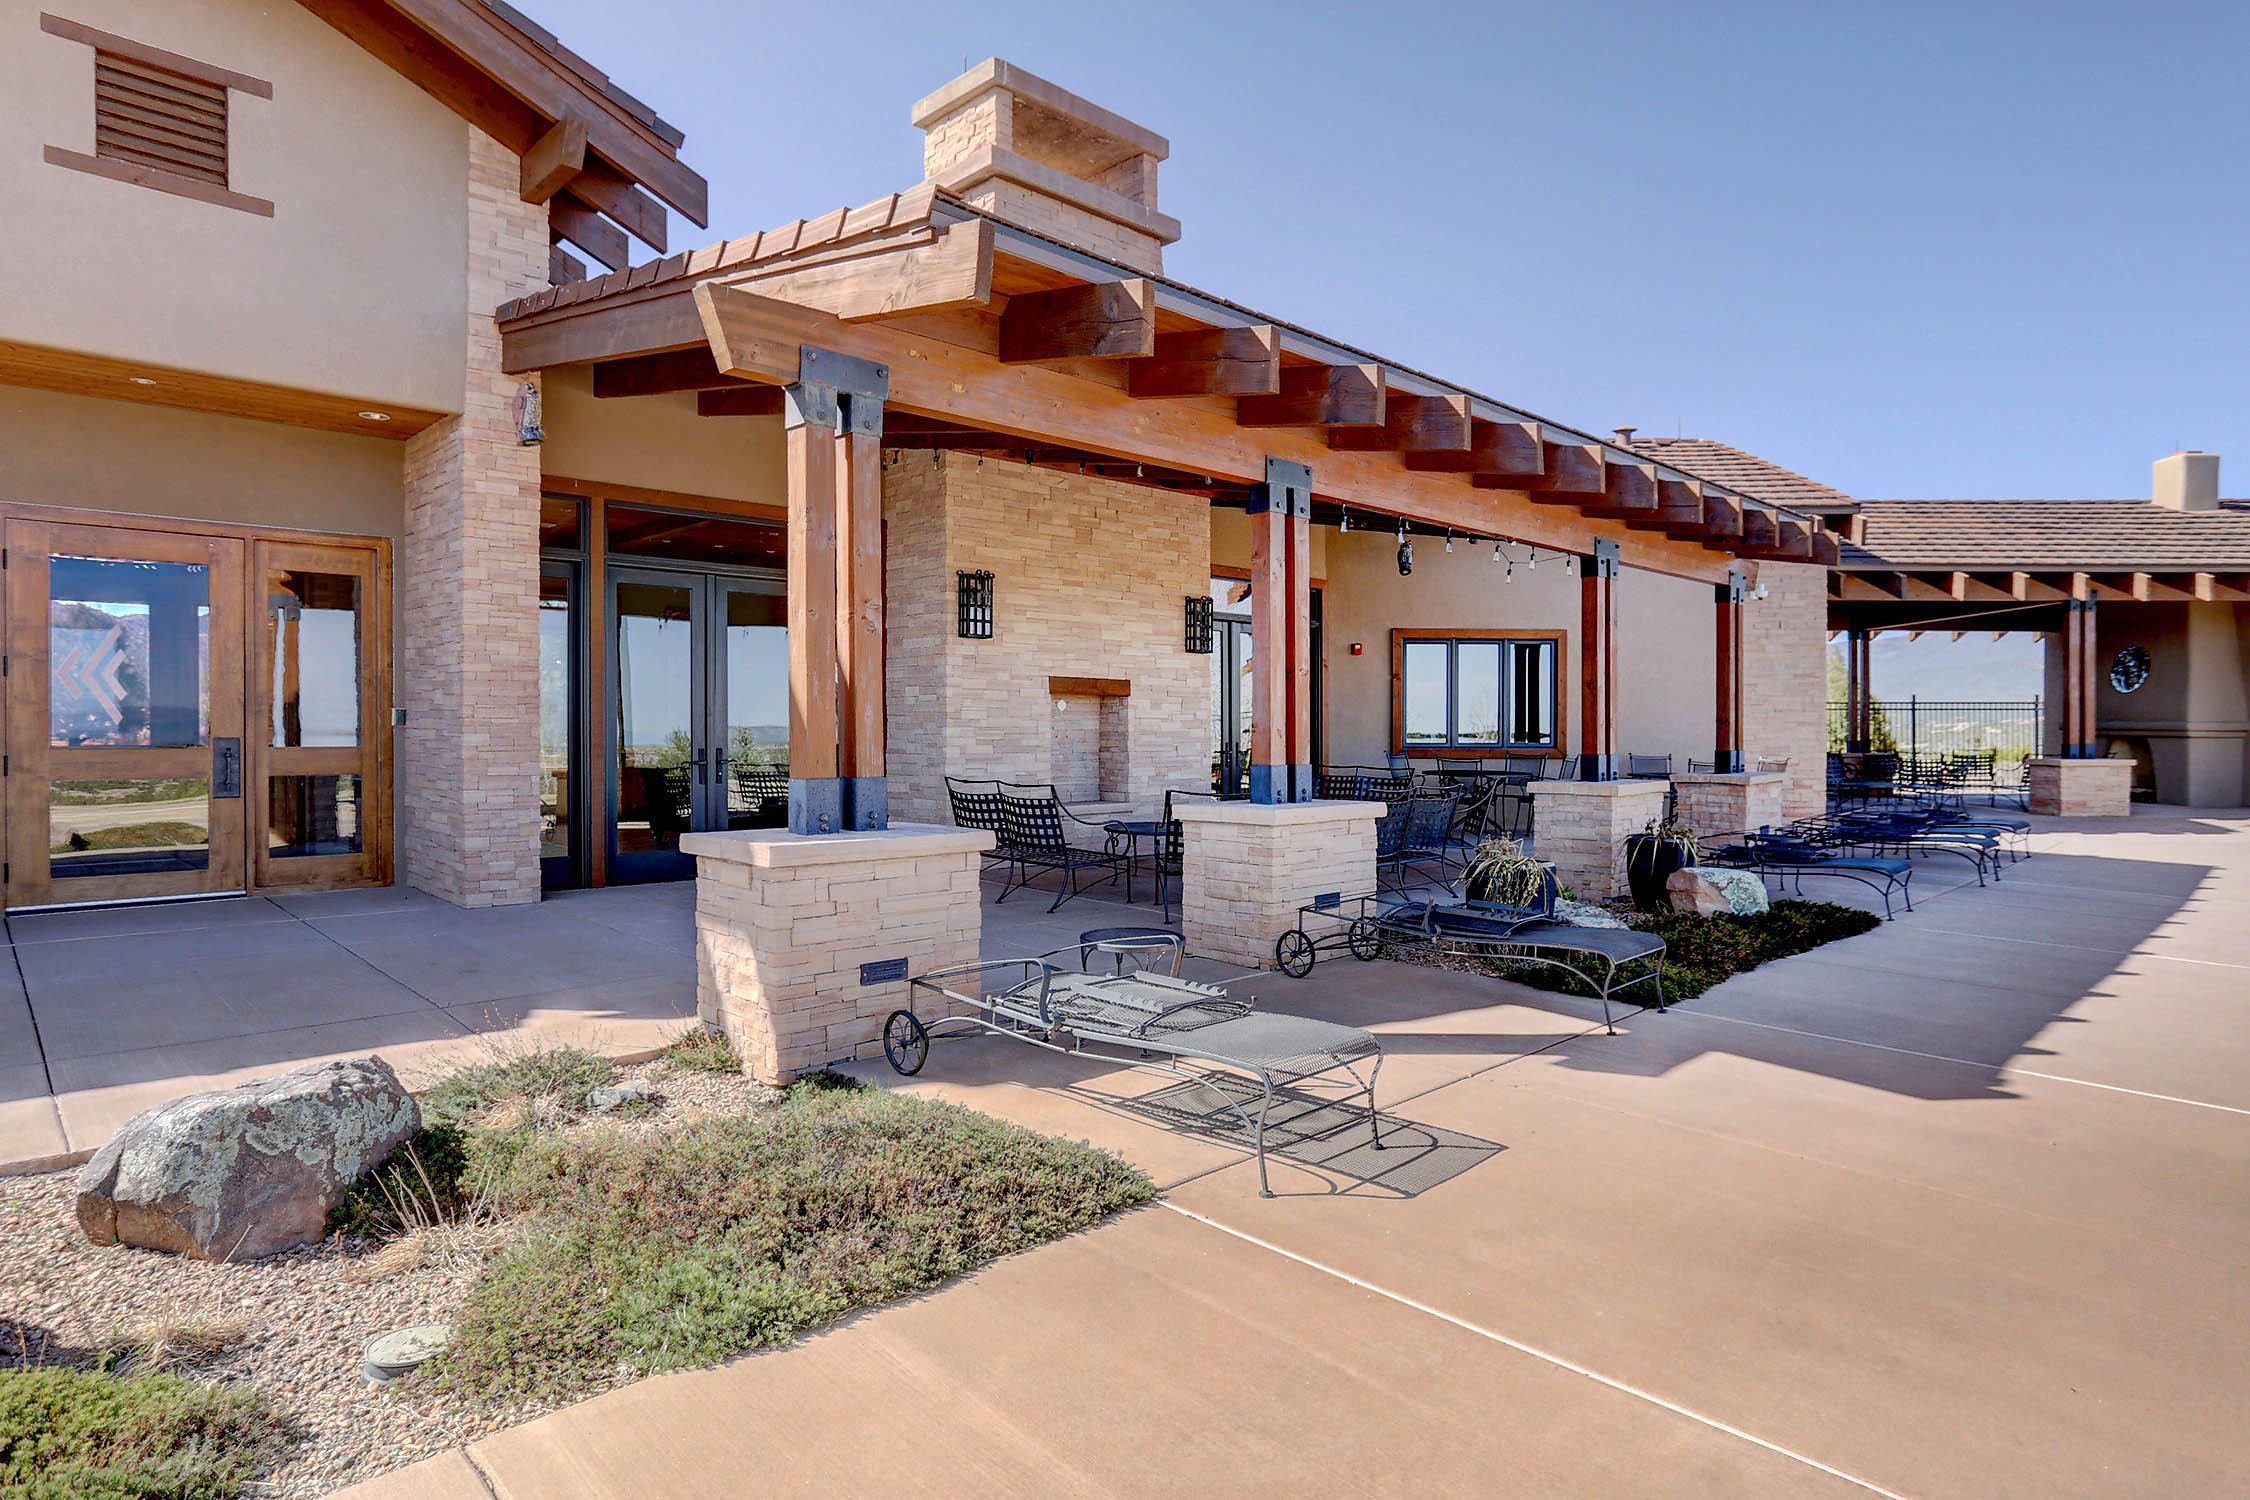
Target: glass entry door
x: 699, y: 713
x: 125, y: 701
x: 1230, y: 707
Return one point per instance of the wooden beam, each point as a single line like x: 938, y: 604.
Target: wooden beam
x: 951, y: 271
x: 563, y: 268
x: 1318, y: 396
x: 810, y: 454
x: 1511, y: 449
x: 1629, y: 490
x: 619, y: 197
x: 1413, y: 425
x: 660, y: 374
x: 740, y: 400
x: 1570, y: 471
x: 1210, y: 362
x: 945, y: 378
x: 1679, y: 505
x: 2133, y: 586
x: 1104, y: 320
x: 1827, y: 547
x: 859, y: 607
x: 572, y: 220
x: 1597, y: 671
x: 1728, y: 722
x: 554, y: 159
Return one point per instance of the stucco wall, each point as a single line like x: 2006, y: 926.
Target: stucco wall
x: 156, y: 461
x: 2192, y: 712
x: 354, y: 286
x: 659, y: 442
x: 1089, y: 579
x: 1230, y: 542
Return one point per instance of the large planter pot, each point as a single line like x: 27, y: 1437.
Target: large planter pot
x: 1649, y: 862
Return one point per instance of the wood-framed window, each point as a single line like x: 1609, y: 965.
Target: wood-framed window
x: 160, y: 119
x: 1476, y: 692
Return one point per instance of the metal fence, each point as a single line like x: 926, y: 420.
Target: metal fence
x: 1932, y: 726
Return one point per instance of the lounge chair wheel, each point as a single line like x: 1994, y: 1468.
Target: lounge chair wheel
x: 1365, y: 941
x: 1294, y: 954
x: 906, y: 1042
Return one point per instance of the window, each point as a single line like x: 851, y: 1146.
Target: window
x: 160, y: 119
x: 1475, y: 692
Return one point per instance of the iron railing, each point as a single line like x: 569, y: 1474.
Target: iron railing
x: 1933, y: 726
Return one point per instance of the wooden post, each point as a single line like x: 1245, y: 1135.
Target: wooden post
x: 2079, y: 637
x: 832, y: 419
x: 815, y: 798
x: 1597, y: 663
x: 1857, y: 718
x: 859, y: 605
x: 1281, y: 635
x: 1728, y: 714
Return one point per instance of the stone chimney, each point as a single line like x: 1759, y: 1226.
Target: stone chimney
x: 1040, y: 157
x: 2188, y: 481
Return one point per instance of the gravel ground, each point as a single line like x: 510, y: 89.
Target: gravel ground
x: 294, y: 1324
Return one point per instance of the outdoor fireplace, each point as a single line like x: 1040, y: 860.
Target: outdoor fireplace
x: 1089, y: 758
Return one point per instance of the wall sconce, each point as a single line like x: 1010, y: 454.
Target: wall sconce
x: 1202, y: 632
x: 1405, y: 550
x: 529, y: 411
x: 973, y: 604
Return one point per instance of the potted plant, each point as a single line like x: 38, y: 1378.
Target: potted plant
x: 1499, y: 873
x: 1653, y: 854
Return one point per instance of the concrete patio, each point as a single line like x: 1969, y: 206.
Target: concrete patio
x: 1956, y: 1208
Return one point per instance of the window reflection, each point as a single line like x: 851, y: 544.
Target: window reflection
x: 554, y: 716
x: 128, y: 652
x: 128, y: 826
x: 309, y: 815
x: 314, y: 618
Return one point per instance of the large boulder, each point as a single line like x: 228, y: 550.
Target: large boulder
x: 1694, y: 892
x: 1745, y: 889
x: 239, y: 1173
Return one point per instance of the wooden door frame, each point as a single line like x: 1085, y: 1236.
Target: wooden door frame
x: 15, y: 739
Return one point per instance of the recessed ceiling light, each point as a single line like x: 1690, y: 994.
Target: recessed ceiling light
x: 376, y: 416
x: 140, y: 380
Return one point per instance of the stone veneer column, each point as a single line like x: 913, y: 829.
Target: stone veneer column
x: 1580, y: 826
x: 1785, y: 680
x: 2096, y: 787
x: 1247, y: 866
x: 468, y: 633
x: 1721, y: 806
x: 783, y: 922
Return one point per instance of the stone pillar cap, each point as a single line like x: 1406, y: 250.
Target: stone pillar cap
x: 767, y: 847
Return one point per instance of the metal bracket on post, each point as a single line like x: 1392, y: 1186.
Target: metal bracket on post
x: 1288, y: 492
x: 1736, y: 590
x: 840, y: 392
x: 1605, y: 558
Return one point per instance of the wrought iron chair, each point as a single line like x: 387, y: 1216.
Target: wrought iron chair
x: 976, y: 804
x: 1560, y: 768
x: 1427, y: 842
x: 1647, y: 767
x: 1702, y: 767
x: 1772, y: 763
x: 1037, y: 842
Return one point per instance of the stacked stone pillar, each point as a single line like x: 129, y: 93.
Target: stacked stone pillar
x: 1722, y: 805
x: 1580, y: 828
x: 2070, y: 787
x: 468, y: 647
x: 1246, y: 867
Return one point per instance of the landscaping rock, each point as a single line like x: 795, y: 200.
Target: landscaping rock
x: 632, y: 1091
x: 1745, y: 889
x: 1583, y: 914
x: 245, y: 1172
x: 1694, y: 892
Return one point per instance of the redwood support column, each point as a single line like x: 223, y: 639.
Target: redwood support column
x: 1858, y: 714
x: 1727, y: 753
x: 1281, y: 633
x: 2078, y: 679
x: 832, y: 421
x: 1597, y: 663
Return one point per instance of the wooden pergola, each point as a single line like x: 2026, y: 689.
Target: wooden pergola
x: 1867, y: 596
x: 916, y: 322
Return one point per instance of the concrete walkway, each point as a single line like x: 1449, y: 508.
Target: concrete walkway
x: 107, y: 1011
x: 1959, y: 1208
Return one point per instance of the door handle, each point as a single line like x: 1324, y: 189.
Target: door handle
x: 226, y: 769
x: 696, y: 760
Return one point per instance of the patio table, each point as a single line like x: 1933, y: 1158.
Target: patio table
x: 1132, y: 831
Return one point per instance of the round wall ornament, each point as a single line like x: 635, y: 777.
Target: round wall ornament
x: 2130, y: 669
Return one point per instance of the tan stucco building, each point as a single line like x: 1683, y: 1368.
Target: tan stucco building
x: 358, y: 533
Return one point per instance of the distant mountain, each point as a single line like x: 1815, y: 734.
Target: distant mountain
x: 1974, y: 668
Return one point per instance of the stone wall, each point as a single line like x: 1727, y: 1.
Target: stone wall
x: 2096, y: 787
x: 1785, y: 679
x: 783, y: 923
x: 1090, y: 576
x: 1246, y: 868
x: 1722, y: 806
x: 1580, y: 827
x: 468, y: 647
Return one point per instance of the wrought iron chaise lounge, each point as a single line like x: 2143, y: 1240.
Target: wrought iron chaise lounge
x: 1787, y: 852
x: 1142, y: 1018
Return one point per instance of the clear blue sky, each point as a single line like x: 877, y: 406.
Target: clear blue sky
x: 1911, y: 250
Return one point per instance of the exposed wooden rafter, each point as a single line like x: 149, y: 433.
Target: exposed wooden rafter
x: 739, y: 399
x: 1508, y: 449
x: 574, y: 221
x: 947, y: 272
x: 1319, y: 396
x: 1412, y: 425
x: 659, y: 374
x: 1101, y: 320
x: 554, y: 159
x: 1210, y: 362
x: 1571, y: 472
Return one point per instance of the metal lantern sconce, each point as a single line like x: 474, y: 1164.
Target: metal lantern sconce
x: 973, y: 604
x: 529, y: 412
x: 1202, y: 629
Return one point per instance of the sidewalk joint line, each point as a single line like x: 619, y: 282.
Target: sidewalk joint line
x: 1535, y: 1352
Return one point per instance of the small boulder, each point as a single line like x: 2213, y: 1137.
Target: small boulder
x: 245, y: 1172
x: 1694, y: 892
x: 1583, y: 914
x: 614, y: 1096
x: 1746, y: 889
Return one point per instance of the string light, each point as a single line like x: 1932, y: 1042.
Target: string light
x: 1449, y: 540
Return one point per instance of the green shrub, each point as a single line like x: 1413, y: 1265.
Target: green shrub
x: 152, y: 1437
x: 1700, y: 952
x: 661, y: 1251
x: 436, y: 1176
x: 561, y: 1076
x: 705, y: 1050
